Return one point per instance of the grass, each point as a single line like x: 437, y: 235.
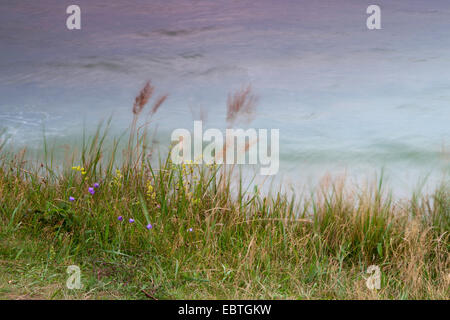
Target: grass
x: 244, y: 244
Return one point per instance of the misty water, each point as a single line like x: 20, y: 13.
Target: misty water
x: 346, y: 99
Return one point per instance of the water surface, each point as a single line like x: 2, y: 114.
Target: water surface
x: 346, y: 99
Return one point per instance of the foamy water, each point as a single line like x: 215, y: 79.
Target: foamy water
x: 345, y: 99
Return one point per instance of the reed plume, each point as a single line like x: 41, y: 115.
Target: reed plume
x: 158, y: 104
x: 142, y: 99
x: 139, y: 103
x: 243, y: 102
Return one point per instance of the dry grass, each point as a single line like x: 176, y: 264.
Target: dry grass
x: 242, y: 103
x: 142, y: 98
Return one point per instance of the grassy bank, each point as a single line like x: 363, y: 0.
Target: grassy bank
x: 166, y: 231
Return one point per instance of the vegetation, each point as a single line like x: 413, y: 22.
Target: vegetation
x: 196, y: 233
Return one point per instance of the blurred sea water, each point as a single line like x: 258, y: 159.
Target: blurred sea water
x: 346, y: 99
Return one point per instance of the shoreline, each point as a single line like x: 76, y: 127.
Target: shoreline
x: 177, y: 232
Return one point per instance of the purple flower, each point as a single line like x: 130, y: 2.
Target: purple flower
x: 91, y: 190
x: 190, y: 230
x: 149, y: 226
x: 158, y: 206
x: 131, y: 220
x: 120, y: 218
x: 71, y: 199
x: 96, y: 185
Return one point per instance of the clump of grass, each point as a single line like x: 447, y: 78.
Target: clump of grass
x: 203, y: 241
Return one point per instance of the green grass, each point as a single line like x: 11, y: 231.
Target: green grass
x: 244, y: 244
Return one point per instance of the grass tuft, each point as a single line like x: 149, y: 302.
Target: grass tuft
x: 205, y: 242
